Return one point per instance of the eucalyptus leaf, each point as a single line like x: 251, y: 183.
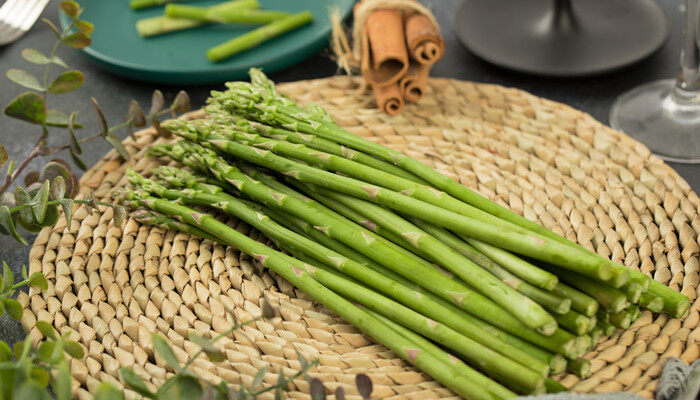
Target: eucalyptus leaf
x: 8, y: 225
x: 135, y: 114
x: 39, y: 376
x: 180, y: 387
x: 44, y: 350
x: 135, y: 383
x: 52, y: 27
x: 29, y: 107
x: 73, y: 349
x: 38, y: 280
x: 40, y: 200
x: 364, y: 385
x: 163, y: 348
x: 259, y: 376
x: 67, y: 81
x: 75, y: 146
x: 316, y: 389
x: 339, y: 393
x: 13, y: 308
x: 22, y: 198
x: 35, y: 57
x: 85, y: 27
x: 46, y: 329
x: 24, y: 78
x: 5, y: 352
x: 106, y: 391
x: 7, y: 278
x: 58, y: 188
x: 24, y: 272
x: 77, y: 160
x: 62, y: 384
x: 118, y: 146
x: 59, y: 120
x: 157, y: 102
x: 181, y: 103
x: 54, y: 169
x: 3, y: 156
x: 77, y: 40
x: 67, y: 206
x: 104, y: 128
x: 57, y: 353
x: 31, y: 177
x: 70, y: 8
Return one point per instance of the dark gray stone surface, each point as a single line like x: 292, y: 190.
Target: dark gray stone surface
x: 593, y: 95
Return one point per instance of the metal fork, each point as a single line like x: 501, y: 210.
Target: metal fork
x: 17, y: 16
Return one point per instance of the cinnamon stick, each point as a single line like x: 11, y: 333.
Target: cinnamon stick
x: 384, y: 55
x: 424, y: 43
x: 413, y: 84
x: 388, y: 98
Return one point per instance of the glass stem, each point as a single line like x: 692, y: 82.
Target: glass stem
x: 687, y: 88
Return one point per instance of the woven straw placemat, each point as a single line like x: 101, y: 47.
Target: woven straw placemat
x: 115, y: 286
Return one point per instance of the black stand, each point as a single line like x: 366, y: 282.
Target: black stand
x: 558, y: 38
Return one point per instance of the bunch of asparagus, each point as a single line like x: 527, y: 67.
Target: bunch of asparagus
x: 483, y: 300
x: 179, y: 17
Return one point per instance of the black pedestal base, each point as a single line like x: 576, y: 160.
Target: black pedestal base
x: 554, y: 38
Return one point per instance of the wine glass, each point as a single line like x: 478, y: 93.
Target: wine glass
x: 665, y: 114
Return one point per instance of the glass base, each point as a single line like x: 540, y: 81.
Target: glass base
x: 666, y: 121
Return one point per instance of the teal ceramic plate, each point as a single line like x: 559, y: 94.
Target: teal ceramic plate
x: 179, y: 57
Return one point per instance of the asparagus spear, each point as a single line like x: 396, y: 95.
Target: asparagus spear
x: 297, y: 273
x: 536, y: 247
x: 310, y: 141
x: 651, y: 302
x: 209, y: 14
x: 140, y: 4
x: 193, y: 193
x: 553, y: 386
x: 448, y: 292
x: 161, y: 24
x: 464, y: 369
x: 579, y: 301
x: 573, y: 322
x: 611, y: 298
x: 580, y: 367
x: 257, y: 36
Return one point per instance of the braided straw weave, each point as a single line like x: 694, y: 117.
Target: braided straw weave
x: 115, y: 286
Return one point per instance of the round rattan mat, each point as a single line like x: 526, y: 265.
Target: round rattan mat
x: 115, y: 286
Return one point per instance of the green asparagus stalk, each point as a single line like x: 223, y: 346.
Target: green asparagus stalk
x: 574, y: 322
x: 608, y: 328
x: 536, y: 247
x: 150, y: 217
x: 579, y: 301
x: 596, y: 333
x: 311, y: 141
x: 675, y: 304
x: 161, y: 24
x: 523, y: 308
x: 633, y: 290
x: 258, y: 36
x: 651, y: 302
x: 448, y: 292
x: 546, y: 299
x: 237, y: 16
x: 297, y: 274
x: 483, y: 382
x: 141, y: 4
x: 580, y: 367
x: 622, y: 319
x: 530, y: 273
x: 612, y: 299
x: 192, y: 192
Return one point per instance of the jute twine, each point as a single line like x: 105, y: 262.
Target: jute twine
x: 112, y: 287
x: 348, y: 54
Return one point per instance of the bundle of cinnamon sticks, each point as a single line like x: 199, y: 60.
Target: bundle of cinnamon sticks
x: 398, y: 47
